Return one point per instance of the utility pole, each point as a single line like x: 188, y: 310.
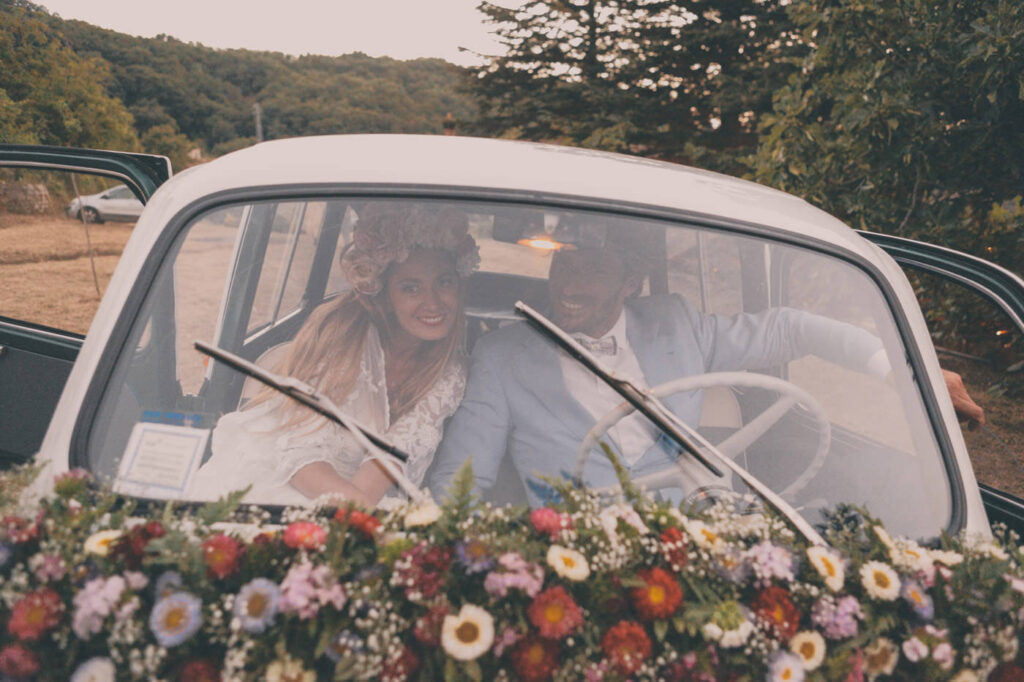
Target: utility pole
x: 257, y: 114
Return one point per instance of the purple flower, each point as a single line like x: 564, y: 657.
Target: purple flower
x: 176, y: 618
x: 256, y: 604
x: 837, y: 618
x: 731, y: 564
x: 770, y: 562
x: 474, y: 555
x: 918, y: 599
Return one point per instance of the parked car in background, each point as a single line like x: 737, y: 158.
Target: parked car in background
x: 117, y: 203
x: 240, y: 251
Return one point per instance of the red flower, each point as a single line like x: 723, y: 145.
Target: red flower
x: 673, y: 543
x: 427, y: 630
x: 422, y: 570
x: 773, y: 606
x: 304, y: 535
x: 199, y: 670
x: 367, y: 523
x: 627, y: 646
x: 221, y: 554
x: 34, y: 614
x: 555, y: 613
x: 18, y: 529
x: 548, y: 521
x: 131, y: 546
x: 401, y: 667
x: 659, y: 597
x: 17, y: 661
x: 534, y: 658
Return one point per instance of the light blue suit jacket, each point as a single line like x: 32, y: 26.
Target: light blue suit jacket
x: 516, y: 402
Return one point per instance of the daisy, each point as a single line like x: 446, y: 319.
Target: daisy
x: 289, y: 670
x: 256, y: 604
x: 96, y: 669
x: 568, y: 563
x: 810, y: 647
x: 880, y: 580
x: 880, y: 657
x: 176, y: 618
x: 829, y: 565
x: 703, y: 534
x: 786, y: 667
x: 947, y: 557
x: 100, y: 543
x: 422, y: 514
x: 469, y: 634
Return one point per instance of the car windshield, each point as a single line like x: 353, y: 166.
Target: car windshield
x: 401, y: 311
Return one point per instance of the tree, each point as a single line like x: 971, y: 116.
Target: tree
x: 906, y: 118
x: 679, y: 79
x: 51, y: 95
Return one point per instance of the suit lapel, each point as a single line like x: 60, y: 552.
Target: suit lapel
x: 540, y: 363
x: 649, y: 336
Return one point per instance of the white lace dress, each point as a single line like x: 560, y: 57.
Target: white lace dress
x: 250, y: 449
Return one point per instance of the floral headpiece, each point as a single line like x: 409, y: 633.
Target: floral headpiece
x: 387, y: 233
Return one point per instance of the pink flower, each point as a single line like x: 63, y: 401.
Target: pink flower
x: 548, y: 521
x: 944, y: 655
x: 94, y: 603
x: 17, y: 661
x: 48, y: 567
x: 304, y: 535
x: 34, y: 614
x: 914, y: 649
x: 307, y: 588
x: 514, y: 572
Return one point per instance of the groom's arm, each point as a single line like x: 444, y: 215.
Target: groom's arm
x: 479, y: 428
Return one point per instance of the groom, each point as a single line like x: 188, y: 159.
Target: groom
x: 527, y: 398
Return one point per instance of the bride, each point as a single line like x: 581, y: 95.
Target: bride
x: 388, y: 353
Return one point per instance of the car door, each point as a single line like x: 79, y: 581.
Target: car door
x: 975, y: 312
x: 36, y: 353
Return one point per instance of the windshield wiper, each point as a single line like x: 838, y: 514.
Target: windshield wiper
x: 307, y: 395
x: 654, y: 409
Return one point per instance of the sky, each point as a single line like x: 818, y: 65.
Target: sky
x: 403, y: 29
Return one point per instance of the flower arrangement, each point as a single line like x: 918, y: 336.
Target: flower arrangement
x: 91, y: 589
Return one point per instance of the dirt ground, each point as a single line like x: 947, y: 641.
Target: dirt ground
x: 43, y: 255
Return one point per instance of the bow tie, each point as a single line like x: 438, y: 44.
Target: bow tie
x: 604, y: 346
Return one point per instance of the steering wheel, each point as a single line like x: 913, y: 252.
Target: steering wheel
x: 789, y: 395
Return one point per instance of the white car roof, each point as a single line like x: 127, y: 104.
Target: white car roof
x: 488, y: 164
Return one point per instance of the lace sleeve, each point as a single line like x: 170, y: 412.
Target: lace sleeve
x: 418, y: 431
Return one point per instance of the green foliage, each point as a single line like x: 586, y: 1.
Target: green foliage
x: 905, y: 118
x: 49, y: 94
x: 677, y: 80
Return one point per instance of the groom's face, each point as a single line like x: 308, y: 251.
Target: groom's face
x: 588, y: 287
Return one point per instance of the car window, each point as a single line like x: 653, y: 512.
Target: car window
x: 328, y: 289
x: 976, y: 339
x: 120, y: 193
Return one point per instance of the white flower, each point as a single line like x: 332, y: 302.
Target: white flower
x: 810, y: 647
x: 703, y: 534
x: 99, y: 543
x: 947, y: 558
x: 611, y: 515
x: 884, y: 536
x: 880, y: 580
x: 568, y: 563
x: 97, y: 669
x: 993, y: 550
x: 829, y: 565
x: 422, y: 514
x: 468, y: 635
x: 289, y: 670
x: 881, y: 657
x: 944, y: 655
x: 736, y: 637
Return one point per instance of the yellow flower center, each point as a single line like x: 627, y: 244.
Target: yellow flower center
x: 656, y: 594
x: 568, y: 561
x: 256, y: 605
x: 787, y: 674
x: 174, y: 619
x: 709, y: 535
x: 535, y: 654
x: 882, y: 580
x: 467, y: 633
x: 806, y: 650
x: 35, y: 615
x: 830, y: 569
x: 553, y: 613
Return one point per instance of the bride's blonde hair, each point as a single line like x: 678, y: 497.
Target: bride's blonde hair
x: 326, y: 352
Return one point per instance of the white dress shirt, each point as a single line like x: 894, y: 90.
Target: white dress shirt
x: 633, y: 435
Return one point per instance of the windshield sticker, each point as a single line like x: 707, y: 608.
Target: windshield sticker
x: 160, y: 459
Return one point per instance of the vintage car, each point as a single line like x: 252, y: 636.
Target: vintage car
x: 237, y: 253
